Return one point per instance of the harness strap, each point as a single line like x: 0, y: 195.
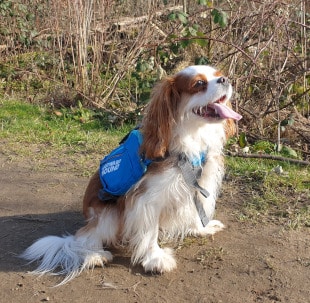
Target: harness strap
x: 105, y: 196
x: 190, y: 174
x: 201, y: 212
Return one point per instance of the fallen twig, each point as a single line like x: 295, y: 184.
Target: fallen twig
x: 106, y: 285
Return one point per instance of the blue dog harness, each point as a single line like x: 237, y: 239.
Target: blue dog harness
x: 124, y: 166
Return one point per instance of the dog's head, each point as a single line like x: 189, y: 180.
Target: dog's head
x: 206, y: 93
x: 199, y: 94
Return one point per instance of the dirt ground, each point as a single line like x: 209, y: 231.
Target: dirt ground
x: 244, y: 263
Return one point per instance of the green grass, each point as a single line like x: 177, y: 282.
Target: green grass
x: 37, y: 124
x: 79, y: 138
x: 268, y: 196
x: 39, y: 133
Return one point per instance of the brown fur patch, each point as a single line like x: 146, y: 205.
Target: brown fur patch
x: 195, y: 87
x: 188, y: 83
x: 218, y: 73
x: 159, y: 119
x: 91, y: 202
x: 93, y: 206
x: 230, y: 126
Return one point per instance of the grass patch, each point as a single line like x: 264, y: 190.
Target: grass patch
x: 41, y: 134
x: 269, y: 196
x: 38, y: 124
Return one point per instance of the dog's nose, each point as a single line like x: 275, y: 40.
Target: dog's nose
x: 223, y: 80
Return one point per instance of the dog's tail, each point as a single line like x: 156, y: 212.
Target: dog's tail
x: 71, y: 254
x: 68, y: 255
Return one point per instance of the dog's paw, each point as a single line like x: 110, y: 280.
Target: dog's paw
x: 211, y: 228
x: 97, y: 259
x: 159, y: 261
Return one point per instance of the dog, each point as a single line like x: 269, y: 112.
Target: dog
x: 186, y: 124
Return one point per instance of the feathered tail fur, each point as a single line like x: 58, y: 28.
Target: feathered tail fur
x: 71, y: 254
x: 64, y: 256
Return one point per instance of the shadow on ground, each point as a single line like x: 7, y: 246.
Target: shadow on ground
x: 19, y: 232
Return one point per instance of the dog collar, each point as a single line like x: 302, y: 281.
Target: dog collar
x: 199, y: 161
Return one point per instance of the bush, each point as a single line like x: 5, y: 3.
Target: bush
x: 110, y: 53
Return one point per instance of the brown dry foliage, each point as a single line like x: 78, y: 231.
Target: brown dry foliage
x: 263, y: 49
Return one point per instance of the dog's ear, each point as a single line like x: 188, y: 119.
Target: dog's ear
x: 159, y: 119
x: 230, y: 126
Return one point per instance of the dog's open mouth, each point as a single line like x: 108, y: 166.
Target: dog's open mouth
x: 216, y: 110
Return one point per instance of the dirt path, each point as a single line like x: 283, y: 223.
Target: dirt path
x: 245, y: 263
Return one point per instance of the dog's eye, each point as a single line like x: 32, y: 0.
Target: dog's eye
x: 200, y: 83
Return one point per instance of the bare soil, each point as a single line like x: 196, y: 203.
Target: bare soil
x: 247, y: 262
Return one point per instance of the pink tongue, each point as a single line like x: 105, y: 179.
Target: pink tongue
x: 226, y: 112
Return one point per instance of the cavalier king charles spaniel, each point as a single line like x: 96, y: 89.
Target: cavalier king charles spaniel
x: 189, y: 117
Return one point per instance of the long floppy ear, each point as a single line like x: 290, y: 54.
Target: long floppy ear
x: 230, y: 126
x: 159, y: 119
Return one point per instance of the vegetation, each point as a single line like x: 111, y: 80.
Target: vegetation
x: 270, y: 194
x: 41, y: 134
x: 107, y: 55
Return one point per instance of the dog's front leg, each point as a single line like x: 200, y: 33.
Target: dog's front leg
x: 141, y: 224
x: 156, y: 259
x: 211, y: 180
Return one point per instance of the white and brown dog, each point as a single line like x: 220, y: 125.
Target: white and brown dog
x: 189, y: 114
